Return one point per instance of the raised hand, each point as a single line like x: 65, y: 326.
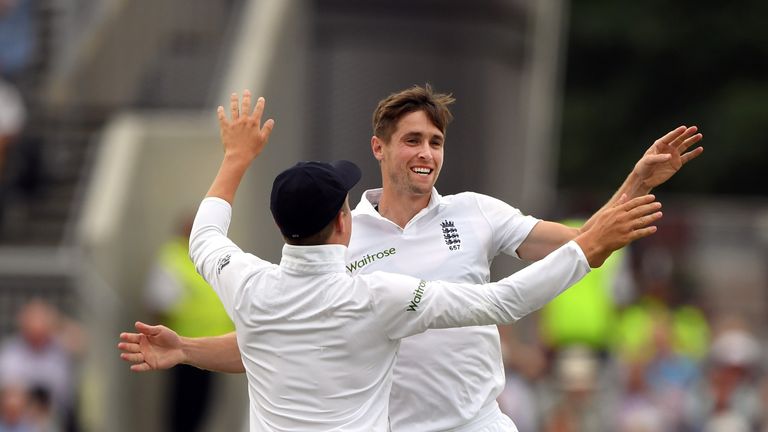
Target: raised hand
x: 152, y: 348
x: 667, y: 155
x: 614, y: 227
x: 244, y: 136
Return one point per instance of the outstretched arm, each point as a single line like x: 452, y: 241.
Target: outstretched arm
x: 407, y: 306
x: 659, y: 163
x: 158, y: 347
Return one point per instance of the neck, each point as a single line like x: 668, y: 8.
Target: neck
x: 400, y: 208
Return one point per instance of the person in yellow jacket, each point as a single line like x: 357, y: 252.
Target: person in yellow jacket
x: 585, y: 315
x: 183, y: 301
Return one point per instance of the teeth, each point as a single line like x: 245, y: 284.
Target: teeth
x: 424, y: 171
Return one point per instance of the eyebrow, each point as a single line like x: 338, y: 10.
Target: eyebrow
x: 419, y: 135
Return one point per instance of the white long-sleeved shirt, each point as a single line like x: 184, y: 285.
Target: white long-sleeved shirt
x: 319, y: 345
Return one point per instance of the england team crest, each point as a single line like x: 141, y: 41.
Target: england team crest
x: 451, y: 235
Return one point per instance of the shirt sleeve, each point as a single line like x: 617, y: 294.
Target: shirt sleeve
x: 217, y: 258
x: 406, y: 306
x: 509, y: 225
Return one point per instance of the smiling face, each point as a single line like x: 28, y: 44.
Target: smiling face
x: 412, y: 158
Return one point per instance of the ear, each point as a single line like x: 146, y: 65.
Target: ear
x: 377, y: 146
x: 339, y: 222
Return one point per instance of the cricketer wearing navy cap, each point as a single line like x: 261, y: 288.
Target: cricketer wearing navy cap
x: 307, y: 196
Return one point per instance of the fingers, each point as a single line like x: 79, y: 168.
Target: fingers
x: 639, y: 220
x: 656, y: 158
x: 691, y: 155
x: 242, y: 108
x: 645, y: 221
x: 141, y: 367
x: 233, y: 106
x: 137, y: 358
x: 642, y: 232
x: 132, y: 357
x: 130, y: 337
x: 636, y: 202
x: 258, y: 110
x: 670, y: 136
x: 129, y: 347
x: 267, y: 129
x: 644, y: 209
x: 688, y: 139
x: 687, y: 134
x: 246, y: 105
x: 147, y: 329
x: 642, y: 216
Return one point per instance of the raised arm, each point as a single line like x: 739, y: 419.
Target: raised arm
x: 158, y: 347
x: 658, y: 164
x: 408, y: 306
x: 243, y: 138
x: 613, y: 228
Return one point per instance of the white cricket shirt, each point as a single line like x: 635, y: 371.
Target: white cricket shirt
x: 450, y: 378
x: 319, y: 345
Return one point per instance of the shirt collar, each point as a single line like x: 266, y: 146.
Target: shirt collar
x: 319, y: 259
x: 371, y: 198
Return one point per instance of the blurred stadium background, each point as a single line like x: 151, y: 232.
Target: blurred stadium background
x: 555, y: 102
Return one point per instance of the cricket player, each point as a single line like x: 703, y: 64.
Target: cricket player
x: 444, y: 379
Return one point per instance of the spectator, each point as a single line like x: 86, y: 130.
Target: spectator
x: 13, y: 407
x: 40, y: 411
x: 586, y: 313
x: 524, y: 364
x: 729, y: 396
x: 17, y: 37
x: 181, y: 299
x: 40, y: 355
x: 577, y: 408
x: 639, y: 410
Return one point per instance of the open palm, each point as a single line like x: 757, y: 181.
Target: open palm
x: 667, y: 155
x: 152, y: 348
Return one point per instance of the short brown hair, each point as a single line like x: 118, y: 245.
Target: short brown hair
x: 417, y: 98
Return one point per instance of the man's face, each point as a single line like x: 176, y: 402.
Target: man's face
x: 411, y: 160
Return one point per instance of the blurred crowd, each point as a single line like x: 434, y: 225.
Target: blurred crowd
x: 38, y: 375
x: 624, y: 351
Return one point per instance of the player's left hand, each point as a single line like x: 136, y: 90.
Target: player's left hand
x: 243, y: 136
x: 152, y: 348
x: 667, y: 155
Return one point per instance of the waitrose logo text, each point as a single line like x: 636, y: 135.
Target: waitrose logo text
x: 367, y: 259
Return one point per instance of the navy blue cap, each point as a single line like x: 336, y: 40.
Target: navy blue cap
x: 307, y: 196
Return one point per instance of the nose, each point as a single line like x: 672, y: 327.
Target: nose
x: 424, y: 151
